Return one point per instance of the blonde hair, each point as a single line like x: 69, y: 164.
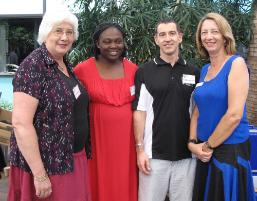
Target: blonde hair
x: 225, y: 30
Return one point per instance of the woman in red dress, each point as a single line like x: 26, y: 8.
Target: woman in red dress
x: 109, y: 80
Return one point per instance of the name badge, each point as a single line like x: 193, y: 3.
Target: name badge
x: 188, y: 79
x: 132, y: 90
x: 199, y: 84
x: 76, y: 91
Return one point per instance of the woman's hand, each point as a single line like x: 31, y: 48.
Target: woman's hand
x: 43, y: 186
x: 206, y: 147
x: 200, y: 153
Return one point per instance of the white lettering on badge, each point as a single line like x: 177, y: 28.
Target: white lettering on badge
x: 188, y: 79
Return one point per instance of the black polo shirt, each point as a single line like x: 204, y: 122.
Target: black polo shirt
x: 164, y: 92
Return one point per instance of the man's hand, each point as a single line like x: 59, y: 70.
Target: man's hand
x: 143, y: 162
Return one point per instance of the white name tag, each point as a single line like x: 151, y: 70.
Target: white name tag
x: 132, y: 90
x: 199, y: 84
x: 188, y: 79
x: 76, y: 91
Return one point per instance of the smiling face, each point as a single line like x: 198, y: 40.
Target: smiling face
x: 168, y: 39
x: 60, y: 40
x: 111, y: 44
x: 211, y: 37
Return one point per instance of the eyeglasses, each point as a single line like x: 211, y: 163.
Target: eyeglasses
x: 59, y: 32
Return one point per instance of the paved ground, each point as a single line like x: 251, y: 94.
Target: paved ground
x: 3, y: 189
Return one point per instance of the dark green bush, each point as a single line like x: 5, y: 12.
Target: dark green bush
x: 138, y: 18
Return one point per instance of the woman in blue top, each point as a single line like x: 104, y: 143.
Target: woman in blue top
x: 219, y: 135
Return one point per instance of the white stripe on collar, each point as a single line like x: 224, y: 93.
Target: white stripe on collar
x: 155, y: 61
x: 185, y: 62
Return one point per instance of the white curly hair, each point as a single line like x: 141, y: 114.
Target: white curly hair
x: 54, y: 17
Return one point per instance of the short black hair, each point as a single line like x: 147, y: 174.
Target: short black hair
x: 167, y: 21
x: 100, y: 29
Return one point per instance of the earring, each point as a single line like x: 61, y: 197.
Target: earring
x: 225, y: 43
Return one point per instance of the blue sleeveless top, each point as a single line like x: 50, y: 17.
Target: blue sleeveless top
x: 211, y: 98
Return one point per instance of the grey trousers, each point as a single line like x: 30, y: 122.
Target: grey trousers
x: 175, y: 178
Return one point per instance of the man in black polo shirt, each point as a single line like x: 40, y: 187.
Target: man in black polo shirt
x: 162, y: 119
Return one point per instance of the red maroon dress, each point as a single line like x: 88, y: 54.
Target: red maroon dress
x: 72, y: 186
x: 113, y: 170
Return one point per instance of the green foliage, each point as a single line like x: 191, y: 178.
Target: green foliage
x: 139, y: 17
x: 19, y: 35
x: 21, y: 39
x: 6, y: 105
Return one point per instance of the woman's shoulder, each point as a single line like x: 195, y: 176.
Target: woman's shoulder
x: 238, y: 64
x: 237, y: 58
x: 85, y: 65
x: 234, y: 60
x: 132, y: 66
x: 33, y: 58
x: 34, y: 63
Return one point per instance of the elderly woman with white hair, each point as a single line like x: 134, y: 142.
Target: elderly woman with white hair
x: 50, y: 144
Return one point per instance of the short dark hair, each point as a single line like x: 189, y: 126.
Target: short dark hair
x: 167, y: 21
x: 100, y: 29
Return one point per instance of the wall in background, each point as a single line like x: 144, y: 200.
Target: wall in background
x: 252, y: 59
